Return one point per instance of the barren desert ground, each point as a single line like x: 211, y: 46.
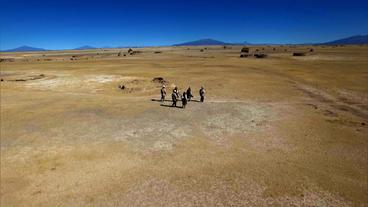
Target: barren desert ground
x: 278, y: 131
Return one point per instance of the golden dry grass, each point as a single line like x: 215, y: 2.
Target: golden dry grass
x: 279, y: 131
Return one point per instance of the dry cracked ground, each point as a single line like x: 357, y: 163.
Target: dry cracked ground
x: 275, y: 131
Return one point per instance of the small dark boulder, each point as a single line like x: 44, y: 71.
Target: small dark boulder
x: 244, y: 50
x: 299, y: 54
x: 244, y: 55
x: 260, y: 55
x: 122, y: 87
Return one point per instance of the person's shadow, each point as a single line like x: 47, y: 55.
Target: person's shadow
x: 159, y: 100
x: 166, y: 105
x: 170, y: 106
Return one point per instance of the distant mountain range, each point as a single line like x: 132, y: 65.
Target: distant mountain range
x: 202, y: 42
x: 25, y: 49
x: 85, y: 47
x: 354, y: 40
x: 208, y: 42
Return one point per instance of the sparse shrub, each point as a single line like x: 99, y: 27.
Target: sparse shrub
x: 299, y: 54
x: 7, y: 60
x: 260, y: 55
x: 244, y: 50
x: 244, y: 55
x: 122, y: 87
x: 160, y: 80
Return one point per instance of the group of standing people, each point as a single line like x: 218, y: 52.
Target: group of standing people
x: 185, y: 97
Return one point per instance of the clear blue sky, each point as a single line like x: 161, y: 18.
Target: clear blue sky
x: 63, y: 24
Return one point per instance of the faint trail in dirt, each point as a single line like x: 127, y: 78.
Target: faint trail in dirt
x: 325, y: 98
x: 343, y: 105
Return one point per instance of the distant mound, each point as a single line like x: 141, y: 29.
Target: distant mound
x: 354, y: 40
x: 85, y: 47
x: 24, y: 49
x: 202, y: 42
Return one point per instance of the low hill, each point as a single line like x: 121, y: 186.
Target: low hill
x: 25, y: 49
x: 354, y: 40
x: 202, y: 42
x: 85, y: 47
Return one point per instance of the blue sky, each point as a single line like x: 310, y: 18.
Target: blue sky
x: 68, y: 24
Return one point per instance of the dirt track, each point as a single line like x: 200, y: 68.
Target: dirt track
x: 278, y: 131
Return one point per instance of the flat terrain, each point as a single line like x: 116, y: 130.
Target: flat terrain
x: 278, y: 131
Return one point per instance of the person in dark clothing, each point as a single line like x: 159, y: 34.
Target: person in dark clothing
x: 189, y: 94
x: 163, y: 93
x: 176, y: 92
x: 201, y: 93
x: 174, y: 99
x: 184, y: 100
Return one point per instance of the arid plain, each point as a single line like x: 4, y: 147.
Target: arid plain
x: 278, y: 131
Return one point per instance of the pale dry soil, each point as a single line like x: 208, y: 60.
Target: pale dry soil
x: 279, y: 131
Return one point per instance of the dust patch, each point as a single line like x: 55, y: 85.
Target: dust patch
x: 238, y: 192
x: 93, y: 83
x: 157, y: 130
x: 227, y: 119
x: 323, y: 57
